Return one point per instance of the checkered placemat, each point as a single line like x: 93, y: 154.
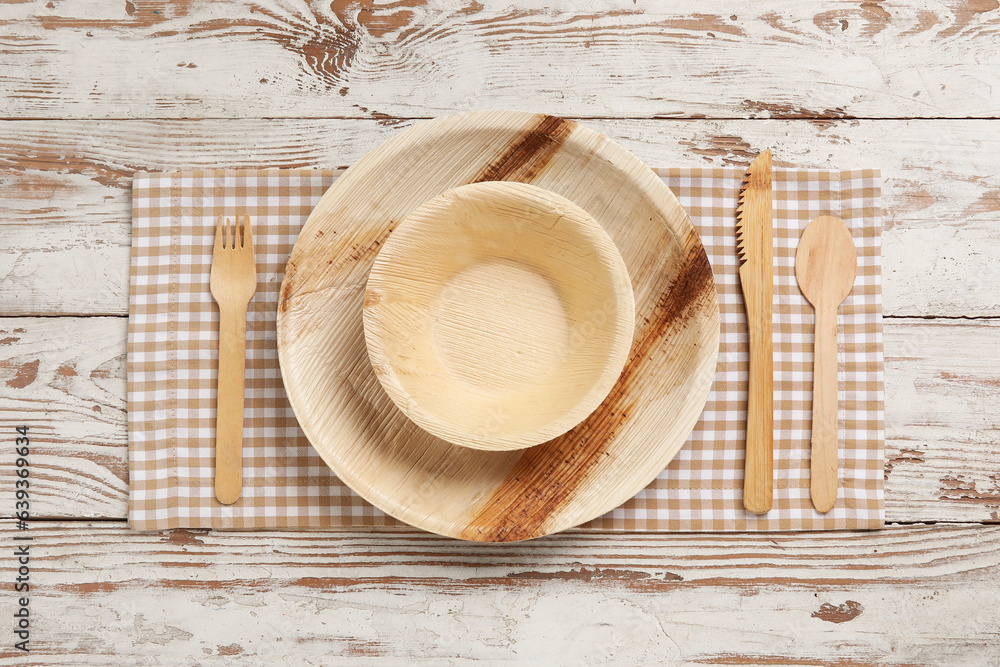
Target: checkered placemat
x: 173, y: 357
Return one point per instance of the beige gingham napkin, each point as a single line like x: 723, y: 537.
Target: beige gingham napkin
x: 172, y: 364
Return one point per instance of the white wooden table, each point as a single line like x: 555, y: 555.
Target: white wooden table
x: 93, y: 91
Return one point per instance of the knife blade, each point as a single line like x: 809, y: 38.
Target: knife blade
x: 754, y: 244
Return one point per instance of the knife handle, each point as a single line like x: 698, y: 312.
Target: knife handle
x: 759, y: 468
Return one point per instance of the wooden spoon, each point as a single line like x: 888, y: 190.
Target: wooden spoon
x: 826, y: 264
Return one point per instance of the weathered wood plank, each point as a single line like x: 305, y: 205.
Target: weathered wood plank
x: 102, y: 595
x: 420, y: 58
x: 65, y: 378
x: 942, y: 382
x: 66, y: 209
x: 903, y: 596
x: 66, y: 212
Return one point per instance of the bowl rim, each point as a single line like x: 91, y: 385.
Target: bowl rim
x: 401, y: 242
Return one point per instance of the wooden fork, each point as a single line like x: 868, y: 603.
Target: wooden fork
x: 233, y: 282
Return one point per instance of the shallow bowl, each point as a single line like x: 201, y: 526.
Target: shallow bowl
x: 498, y: 315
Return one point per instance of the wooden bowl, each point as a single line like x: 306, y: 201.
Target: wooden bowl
x: 498, y: 315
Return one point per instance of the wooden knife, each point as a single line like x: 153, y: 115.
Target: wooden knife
x: 754, y: 245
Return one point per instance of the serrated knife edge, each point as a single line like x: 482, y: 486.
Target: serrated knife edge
x: 754, y: 232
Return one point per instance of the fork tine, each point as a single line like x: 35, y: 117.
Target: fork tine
x: 247, y: 232
x: 219, y: 238
x: 230, y: 234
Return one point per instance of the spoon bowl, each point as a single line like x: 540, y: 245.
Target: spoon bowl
x: 826, y: 262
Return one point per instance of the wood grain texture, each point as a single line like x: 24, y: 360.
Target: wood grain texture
x: 103, y: 595
x: 498, y: 315
x: 755, y: 248
x: 942, y: 417
x: 420, y: 58
x: 233, y: 284
x: 826, y: 264
x: 514, y: 495
x: 943, y: 420
x: 274, y: 77
x: 66, y: 212
x: 64, y: 378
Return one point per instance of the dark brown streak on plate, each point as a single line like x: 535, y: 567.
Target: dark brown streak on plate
x: 359, y: 252
x: 694, y: 283
x: 547, y: 475
x: 524, y: 160
x: 287, y: 285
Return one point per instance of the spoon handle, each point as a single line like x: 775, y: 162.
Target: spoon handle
x: 823, y: 483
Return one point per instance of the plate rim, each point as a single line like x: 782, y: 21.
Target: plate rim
x: 645, y: 180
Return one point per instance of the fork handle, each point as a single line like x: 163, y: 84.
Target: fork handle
x: 229, y: 408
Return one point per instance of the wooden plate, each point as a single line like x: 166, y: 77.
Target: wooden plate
x: 498, y: 315
x: 498, y: 496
